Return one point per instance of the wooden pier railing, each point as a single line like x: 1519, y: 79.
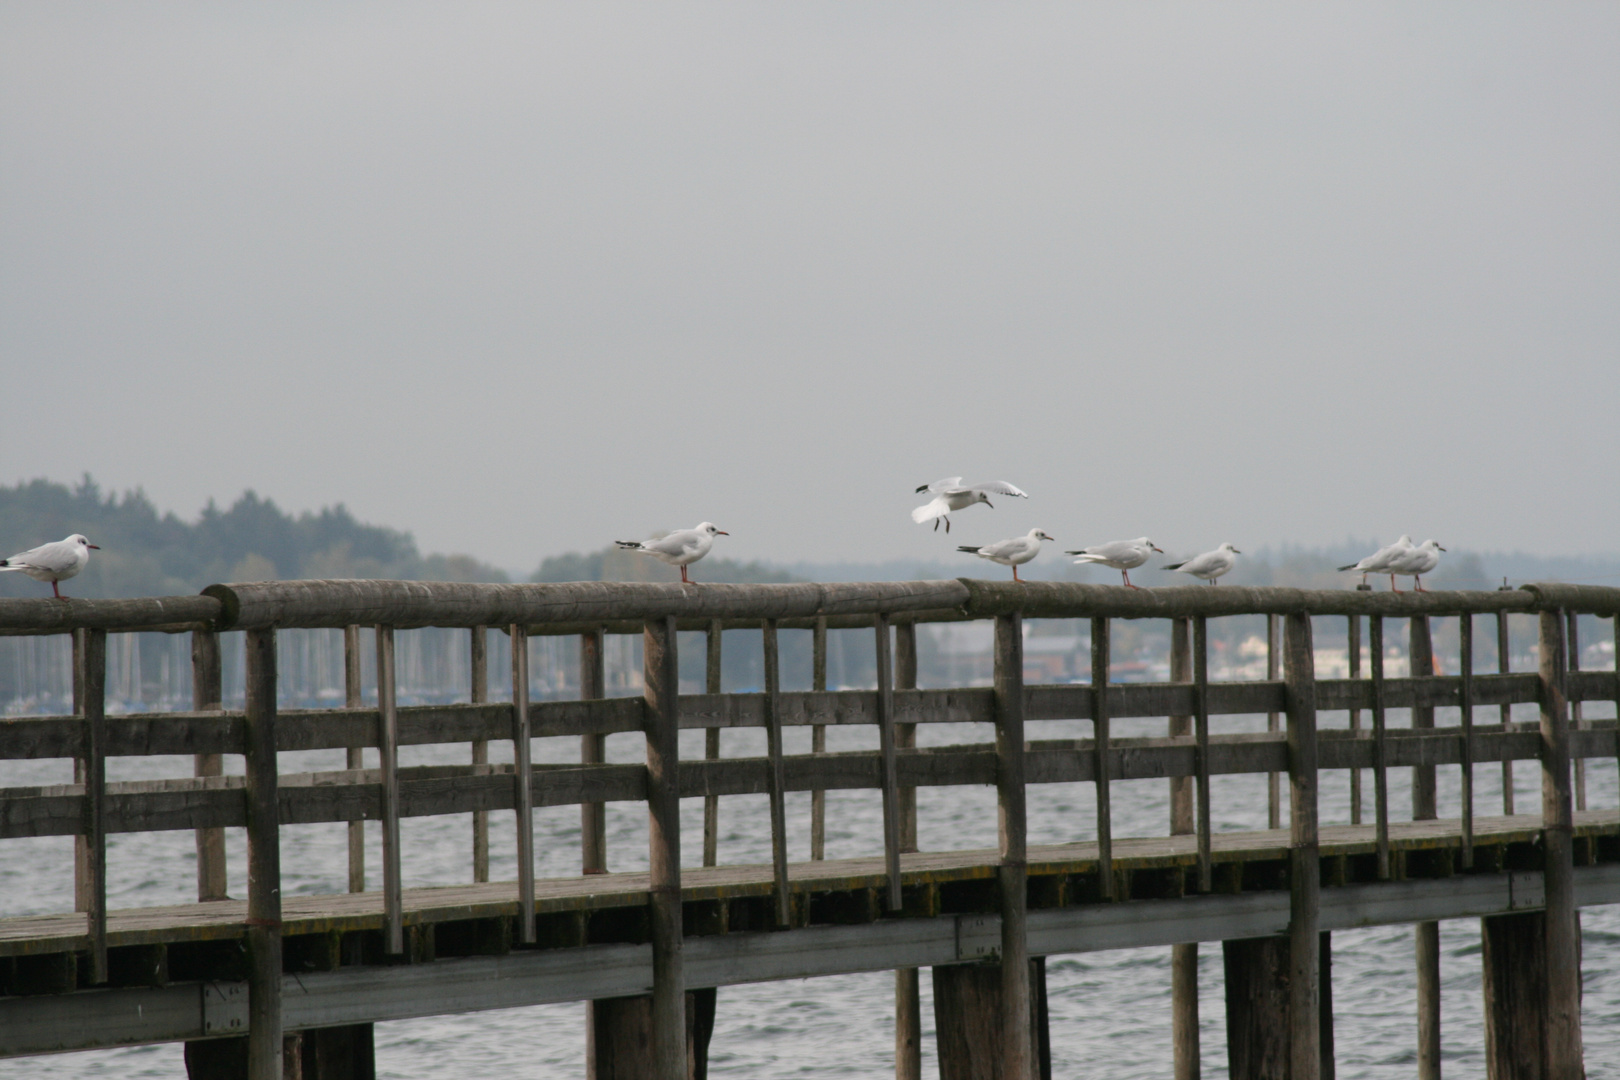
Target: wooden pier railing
x: 1193, y: 866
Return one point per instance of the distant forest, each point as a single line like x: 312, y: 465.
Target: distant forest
x: 144, y: 553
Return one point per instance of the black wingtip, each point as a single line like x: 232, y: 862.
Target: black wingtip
x: 969, y: 550
x: 1172, y: 566
x: 1352, y: 566
x: 922, y: 489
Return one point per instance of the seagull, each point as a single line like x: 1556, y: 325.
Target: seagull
x: 1122, y: 555
x: 681, y: 548
x: 950, y: 496
x: 1417, y: 562
x: 1014, y: 553
x: 53, y: 562
x: 1380, y: 561
x: 1210, y: 565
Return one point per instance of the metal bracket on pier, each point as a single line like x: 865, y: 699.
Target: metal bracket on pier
x: 978, y: 937
x: 225, y: 1008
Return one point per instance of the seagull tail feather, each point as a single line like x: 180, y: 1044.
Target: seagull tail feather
x: 1352, y: 566
x: 1173, y: 566
x: 629, y: 545
x: 969, y: 550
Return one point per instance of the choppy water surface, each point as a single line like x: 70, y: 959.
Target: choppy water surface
x: 1110, y: 1012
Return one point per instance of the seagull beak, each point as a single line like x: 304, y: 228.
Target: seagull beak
x: 1235, y: 551
x: 721, y: 532
x: 990, y: 504
x: 1155, y: 547
x: 97, y: 547
x: 1438, y: 546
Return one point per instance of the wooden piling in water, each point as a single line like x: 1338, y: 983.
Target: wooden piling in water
x: 907, y: 985
x: 662, y: 688
x: 264, y: 859
x: 1425, y: 935
x: 1183, y: 820
x: 206, y: 696
x: 970, y: 1025
x: 1012, y: 871
x: 1304, y: 864
x: 1563, y: 1030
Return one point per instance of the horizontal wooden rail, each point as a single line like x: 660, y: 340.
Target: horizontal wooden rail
x: 353, y: 795
x: 145, y: 734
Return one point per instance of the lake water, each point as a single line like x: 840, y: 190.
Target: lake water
x: 1110, y: 1012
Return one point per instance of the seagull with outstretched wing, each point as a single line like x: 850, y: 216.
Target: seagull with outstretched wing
x: 950, y: 495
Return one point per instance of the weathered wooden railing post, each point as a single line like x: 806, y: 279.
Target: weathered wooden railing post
x: 1183, y: 821
x: 388, y: 757
x: 662, y: 690
x: 1305, y: 1020
x: 94, y: 827
x: 1465, y: 670
x: 206, y: 696
x: 1563, y: 1034
x: 81, y: 773
x: 886, y: 750
x: 818, y: 741
x: 523, y: 779
x: 713, y: 658
x: 1572, y: 653
x: 1101, y: 650
x: 1375, y: 646
x: 354, y: 698
x: 1425, y: 935
x: 264, y: 859
x: 592, y: 751
x: 907, y: 990
x: 1504, y: 664
x: 478, y: 694
x: 776, y: 781
x: 1273, y: 722
x: 1353, y: 648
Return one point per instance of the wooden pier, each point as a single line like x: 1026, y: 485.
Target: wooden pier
x: 272, y: 986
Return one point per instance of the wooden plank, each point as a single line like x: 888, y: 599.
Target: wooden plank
x: 818, y: 741
x: 1563, y: 1030
x: 388, y: 755
x: 478, y: 694
x: 662, y: 687
x: 592, y: 751
x: 713, y: 658
x: 94, y: 706
x: 1465, y: 671
x: 1012, y: 869
x: 207, y: 690
x: 523, y: 781
x: 1100, y: 652
x: 355, y: 756
x: 775, y: 776
x: 263, y: 931
x: 887, y: 750
x: 1304, y: 872
x: 1375, y: 644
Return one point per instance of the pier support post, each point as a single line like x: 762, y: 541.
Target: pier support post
x: 1304, y: 864
x: 206, y: 694
x: 622, y: 1038
x: 907, y: 991
x: 1425, y: 935
x: 970, y: 1022
x: 1259, y: 989
x: 1183, y: 821
x: 1013, y: 872
x: 668, y: 1003
x: 1514, y: 960
x: 264, y: 1059
x: 1562, y: 1045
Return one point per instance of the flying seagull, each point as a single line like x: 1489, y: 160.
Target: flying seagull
x: 950, y: 496
x: 1014, y: 553
x: 1380, y: 561
x: 1122, y: 555
x: 1417, y: 562
x: 53, y: 562
x: 681, y: 548
x: 1210, y: 565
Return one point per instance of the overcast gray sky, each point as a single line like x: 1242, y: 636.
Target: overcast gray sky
x: 527, y: 278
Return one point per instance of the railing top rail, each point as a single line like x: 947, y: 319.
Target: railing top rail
x: 622, y: 606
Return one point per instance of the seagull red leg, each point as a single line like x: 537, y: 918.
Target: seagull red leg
x: 1392, y: 587
x: 57, y: 591
x: 1127, y: 574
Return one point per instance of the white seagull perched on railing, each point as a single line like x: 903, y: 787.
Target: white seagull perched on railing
x: 1380, y: 561
x: 53, y: 562
x: 1417, y: 562
x: 1209, y: 566
x: 950, y: 496
x: 681, y: 548
x: 1122, y: 555
x: 1014, y: 553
